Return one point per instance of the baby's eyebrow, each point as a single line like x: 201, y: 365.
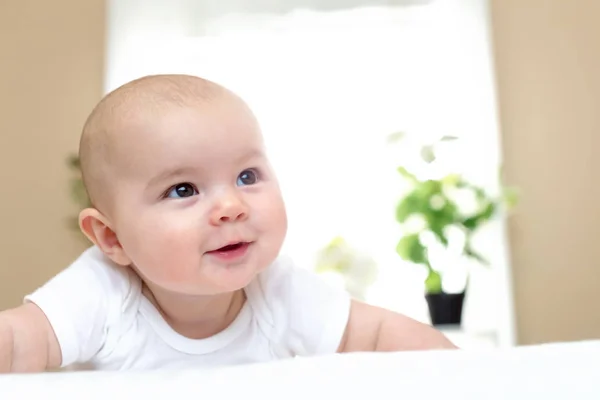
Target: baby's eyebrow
x: 169, y: 174
x: 253, y: 153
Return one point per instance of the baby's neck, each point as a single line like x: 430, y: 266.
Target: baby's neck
x: 197, y: 317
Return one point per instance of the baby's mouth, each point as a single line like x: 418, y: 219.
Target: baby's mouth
x: 231, y: 252
x: 230, y: 247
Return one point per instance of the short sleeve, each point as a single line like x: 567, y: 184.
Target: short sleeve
x: 77, y: 302
x: 308, y: 315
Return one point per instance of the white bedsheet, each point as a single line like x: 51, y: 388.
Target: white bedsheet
x: 554, y: 371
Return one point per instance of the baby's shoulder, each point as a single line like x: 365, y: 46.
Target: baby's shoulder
x: 93, y: 263
x: 119, y: 286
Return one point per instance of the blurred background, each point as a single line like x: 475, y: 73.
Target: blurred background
x: 469, y: 98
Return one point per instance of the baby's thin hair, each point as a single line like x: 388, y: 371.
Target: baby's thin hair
x: 149, y: 94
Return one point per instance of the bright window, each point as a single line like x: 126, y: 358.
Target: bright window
x: 328, y: 87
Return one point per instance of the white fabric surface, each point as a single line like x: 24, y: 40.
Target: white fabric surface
x: 557, y: 371
x: 101, y: 318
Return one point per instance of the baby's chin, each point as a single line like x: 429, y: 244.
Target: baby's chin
x: 229, y: 279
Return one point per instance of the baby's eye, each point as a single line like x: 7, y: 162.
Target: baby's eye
x: 247, y: 177
x: 182, y: 190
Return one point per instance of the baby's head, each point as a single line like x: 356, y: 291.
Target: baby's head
x: 181, y: 186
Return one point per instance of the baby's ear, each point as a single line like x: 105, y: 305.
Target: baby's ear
x: 97, y: 228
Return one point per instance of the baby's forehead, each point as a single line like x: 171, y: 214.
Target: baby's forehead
x: 195, y: 130
x: 147, y: 103
x: 150, y: 118
x: 140, y: 124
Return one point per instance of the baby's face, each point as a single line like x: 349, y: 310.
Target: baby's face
x: 197, y: 207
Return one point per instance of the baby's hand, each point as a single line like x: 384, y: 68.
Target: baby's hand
x: 376, y: 329
x: 27, y: 341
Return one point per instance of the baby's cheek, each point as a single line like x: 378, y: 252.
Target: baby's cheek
x: 273, y: 214
x: 174, y: 236
x: 271, y: 217
x: 169, y: 255
x: 166, y: 238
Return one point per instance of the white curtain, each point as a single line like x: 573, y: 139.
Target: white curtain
x: 328, y: 84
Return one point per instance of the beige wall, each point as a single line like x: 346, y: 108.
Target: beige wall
x: 51, y: 61
x: 548, y: 70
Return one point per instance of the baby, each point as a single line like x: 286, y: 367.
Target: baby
x: 187, y: 225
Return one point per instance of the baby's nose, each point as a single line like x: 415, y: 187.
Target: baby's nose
x: 229, y: 208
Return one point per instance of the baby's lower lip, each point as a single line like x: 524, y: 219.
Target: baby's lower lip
x: 231, y: 255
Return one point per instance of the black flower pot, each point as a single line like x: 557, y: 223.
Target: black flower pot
x: 445, y: 308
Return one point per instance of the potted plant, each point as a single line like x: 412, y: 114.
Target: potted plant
x: 434, y: 204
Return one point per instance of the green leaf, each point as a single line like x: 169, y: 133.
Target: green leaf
x: 475, y: 221
x: 469, y: 252
x: 335, y: 243
x: 409, y: 248
x: 452, y: 180
x: 73, y: 162
x: 438, y: 230
x: 488, y: 212
x: 471, y: 223
x: 448, y: 138
x: 79, y: 193
x: 427, y: 154
x: 407, y: 175
x: 408, y: 206
x: 433, y: 282
x: 510, y: 197
x: 439, y: 219
x: 396, y: 137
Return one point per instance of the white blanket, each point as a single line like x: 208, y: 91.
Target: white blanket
x: 556, y: 371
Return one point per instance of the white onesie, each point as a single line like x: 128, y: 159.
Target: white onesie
x: 101, y: 318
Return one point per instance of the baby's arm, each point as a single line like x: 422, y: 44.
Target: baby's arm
x: 375, y: 329
x: 27, y: 341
